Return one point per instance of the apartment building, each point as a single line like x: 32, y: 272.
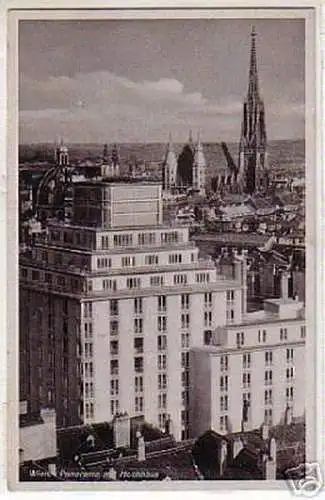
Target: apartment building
x: 110, y: 305
x: 253, y: 371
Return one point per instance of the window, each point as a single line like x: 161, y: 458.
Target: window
x: 289, y: 373
x: 88, y: 327
x: 162, y: 400
x: 109, y: 285
x: 268, y: 377
x: 289, y: 355
x: 224, y: 383
x: 302, y: 332
x: 175, y: 258
x: 138, y: 383
x: 138, y: 345
x: 264, y: 335
x: 224, y: 403
x: 114, y: 406
x: 180, y: 279
x: 138, y: 325
x: 162, y: 362
x: 138, y: 365
x: 113, y: 307
x: 35, y: 276
x: 88, y: 309
x: 170, y: 237
x: 185, y: 398
x: 283, y: 334
x: 138, y: 306
x: 122, y: 240
x: 138, y: 404
x: 289, y: 393
x: 192, y: 257
x: 88, y: 370
x: 185, y: 320
x: 230, y: 295
x: 156, y: 281
x: 268, y: 357
x: 246, y: 380
x: 208, y: 337
x: 162, y: 381
x: 185, y: 379
x: 223, y: 423
x: 247, y: 397
x: 202, y: 278
x: 268, y: 397
x: 162, y: 418
x: 88, y: 350
x: 89, y: 390
x: 162, y: 323
x: 207, y: 318
x: 114, y: 387
x: 224, y: 363
x: 105, y: 242
x: 114, y: 366
x: 162, y: 342
x: 185, y: 340
x: 247, y: 360
x: 146, y: 239
x: 128, y: 261
x: 208, y: 299
x: 184, y: 417
x: 133, y: 283
x: 104, y: 263
x: 230, y: 315
x: 113, y: 347
x: 162, y: 303
x: 113, y: 326
x: 240, y: 338
x: 185, y: 359
x: 185, y: 301
x: 151, y: 260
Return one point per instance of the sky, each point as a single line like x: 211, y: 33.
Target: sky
x: 139, y: 80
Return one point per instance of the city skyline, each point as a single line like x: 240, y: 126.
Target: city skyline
x: 143, y: 91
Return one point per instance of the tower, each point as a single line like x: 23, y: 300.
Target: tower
x: 199, y: 165
x: 169, y: 167
x: 115, y: 162
x: 185, y: 164
x: 252, y: 146
x: 61, y: 154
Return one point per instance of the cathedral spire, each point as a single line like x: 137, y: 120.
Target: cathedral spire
x: 253, y: 77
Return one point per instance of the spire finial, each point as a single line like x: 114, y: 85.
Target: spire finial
x: 253, y: 79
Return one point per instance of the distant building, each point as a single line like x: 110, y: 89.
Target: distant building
x: 111, y: 165
x: 191, y: 167
x: 252, y: 146
x: 252, y: 372
x: 169, y: 170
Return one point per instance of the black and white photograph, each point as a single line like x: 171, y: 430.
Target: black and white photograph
x: 163, y: 304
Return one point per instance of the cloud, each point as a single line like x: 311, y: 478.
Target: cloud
x: 101, y: 105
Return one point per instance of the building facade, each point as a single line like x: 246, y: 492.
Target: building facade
x: 253, y: 372
x: 110, y: 306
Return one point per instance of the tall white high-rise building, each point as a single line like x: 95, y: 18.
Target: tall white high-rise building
x: 110, y: 306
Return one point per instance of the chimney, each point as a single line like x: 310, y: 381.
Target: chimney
x: 52, y: 469
x: 269, y: 471
x: 223, y: 449
x: 237, y: 446
x: 141, y: 448
x: 285, y: 285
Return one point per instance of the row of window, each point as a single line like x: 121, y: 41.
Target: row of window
x: 247, y: 359
x: 144, y: 239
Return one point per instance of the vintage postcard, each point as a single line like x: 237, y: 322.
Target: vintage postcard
x: 162, y: 254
